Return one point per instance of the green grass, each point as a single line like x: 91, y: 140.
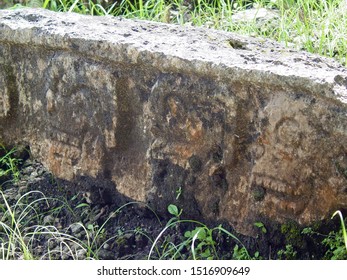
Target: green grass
x: 199, y: 243
x: 312, y: 25
x: 8, y: 163
x: 22, y: 229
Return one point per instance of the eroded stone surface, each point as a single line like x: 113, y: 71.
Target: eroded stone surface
x: 226, y: 127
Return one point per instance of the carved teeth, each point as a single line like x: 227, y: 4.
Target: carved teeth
x: 278, y: 186
x: 258, y: 180
x: 294, y: 208
x: 288, y: 207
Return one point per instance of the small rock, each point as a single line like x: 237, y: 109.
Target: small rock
x: 48, y: 220
x: 28, y: 170
x: 76, y: 228
x: 81, y: 254
x: 51, y: 244
x: 34, y: 174
x: 105, y: 255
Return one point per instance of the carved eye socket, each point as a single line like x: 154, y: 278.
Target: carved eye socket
x: 258, y: 151
x: 288, y: 133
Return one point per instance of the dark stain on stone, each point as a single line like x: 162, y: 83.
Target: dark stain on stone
x: 126, y: 117
x: 264, y: 122
x: 217, y: 154
x: 218, y: 178
x: 215, y: 206
x: 342, y: 81
x: 258, y: 193
x: 195, y: 163
x: 237, y: 44
x: 32, y: 18
x: 191, y: 180
x: 341, y: 165
x: 168, y: 178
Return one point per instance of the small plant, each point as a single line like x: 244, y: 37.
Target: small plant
x: 9, y: 164
x: 178, y: 193
x: 203, y: 243
x: 240, y: 253
x: 288, y: 253
x: 261, y: 226
x: 336, y: 242
x: 173, y: 210
x: 199, y: 243
x: 343, y: 227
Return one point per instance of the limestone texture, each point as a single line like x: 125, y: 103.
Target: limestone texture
x: 228, y: 128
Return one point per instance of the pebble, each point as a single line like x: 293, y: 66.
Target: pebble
x: 76, y: 228
x: 48, y: 220
x: 81, y: 254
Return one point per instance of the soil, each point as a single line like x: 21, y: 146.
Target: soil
x: 118, y: 228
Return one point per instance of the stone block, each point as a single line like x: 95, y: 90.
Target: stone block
x: 226, y: 127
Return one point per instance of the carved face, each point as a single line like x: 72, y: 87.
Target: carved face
x: 293, y: 174
x: 78, y: 97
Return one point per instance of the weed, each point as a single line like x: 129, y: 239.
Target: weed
x: 336, y: 242
x: 288, y: 253
x: 173, y: 210
x: 343, y: 227
x: 178, y: 193
x: 13, y: 222
x: 199, y: 243
x: 9, y: 164
x: 261, y: 226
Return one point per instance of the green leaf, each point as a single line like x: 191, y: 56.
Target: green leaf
x: 173, y: 210
x: 307, y: 230
x: 202, y: 234
x: 206, y: 253
x: 261, y: 226
x: 82, y: 205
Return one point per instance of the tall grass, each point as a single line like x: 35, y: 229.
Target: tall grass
x: 9, y: 163
x: 13, y: 220
x: 343, y: 227
x: 22, y: 230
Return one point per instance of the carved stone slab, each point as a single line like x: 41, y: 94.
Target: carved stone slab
x: 226, y: 127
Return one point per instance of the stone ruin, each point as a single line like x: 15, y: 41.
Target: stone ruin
x: 226, y: 127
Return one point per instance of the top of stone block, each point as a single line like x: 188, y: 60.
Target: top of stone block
x: 186, y: 49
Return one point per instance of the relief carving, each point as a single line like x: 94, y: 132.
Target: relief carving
x: 188, y: 124
x: 290, y: 177
x: 79, y: 127
x: 184, y: 125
